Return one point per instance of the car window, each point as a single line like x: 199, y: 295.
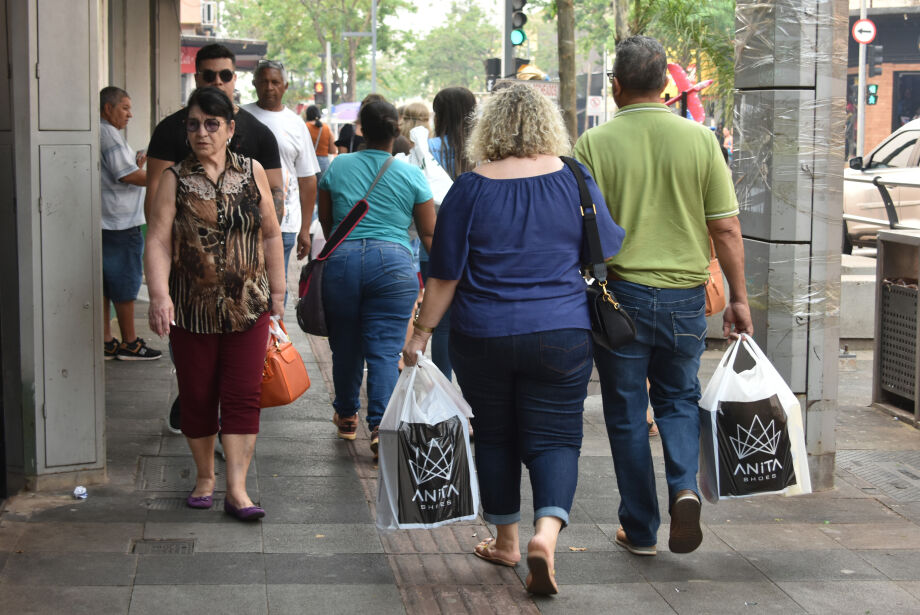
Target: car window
x: 895, y: 153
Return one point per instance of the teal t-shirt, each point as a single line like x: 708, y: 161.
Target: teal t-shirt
x: 663, y: 178
x: 391, y: 203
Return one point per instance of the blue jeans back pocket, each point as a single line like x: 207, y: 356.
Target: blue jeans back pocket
x: 689, y: 331
x: 565, y: 351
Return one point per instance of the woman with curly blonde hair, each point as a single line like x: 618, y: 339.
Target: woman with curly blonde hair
x: 506, y: 256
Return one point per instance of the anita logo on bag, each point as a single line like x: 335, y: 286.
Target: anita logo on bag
x: 754, y: 449
x: 434, y: 478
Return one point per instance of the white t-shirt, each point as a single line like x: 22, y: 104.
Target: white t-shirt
x: 297, y: 157
x: 122, y: 204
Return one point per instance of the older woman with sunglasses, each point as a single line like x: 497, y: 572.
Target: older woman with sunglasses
x: 215, y: 272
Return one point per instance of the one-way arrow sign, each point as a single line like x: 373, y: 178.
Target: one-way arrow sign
x: 864, y: 31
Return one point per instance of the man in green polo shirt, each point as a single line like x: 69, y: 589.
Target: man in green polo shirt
x: 666, y: 183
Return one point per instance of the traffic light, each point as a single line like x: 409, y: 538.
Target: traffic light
x: 319, y: 93
x: 871, y: 94
x: 493, y: 72
x: 518, y: 19
x: 874, y: 60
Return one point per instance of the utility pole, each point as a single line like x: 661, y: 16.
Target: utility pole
x: 565, y: 29
x: 861, y: 93
x: 373, y: 35
x: 328, y: 77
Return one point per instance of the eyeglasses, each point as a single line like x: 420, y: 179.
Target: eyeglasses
x: 210, y: 76
x: 211, y: 124
x: 611, y: 75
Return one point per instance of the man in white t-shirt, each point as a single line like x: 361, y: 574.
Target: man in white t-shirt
x: 298, y: 160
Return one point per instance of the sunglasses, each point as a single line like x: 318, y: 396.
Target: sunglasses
x: 270, y: 64
x: 611, y: 75
x: 210, y: 76
x: 210, y: 124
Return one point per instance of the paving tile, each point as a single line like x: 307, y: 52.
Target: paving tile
x: 578, y: 535
x: 10, y: 531
x: 80, y: 537
x: 911, y: 587
x: 596, y: 509
x: 143, y: 425
x: 210, y: 537
x: 775, y: 536
x: 908, y: 510
x: 903, y: 535
x: 667, y: 567
x: 851, y: 597
x: 201, y: 569
x: 450, y: 569
x: 302, y: 430
x: 103, y: 505
x: 590, y: 568
x: 827, y: 565
x: 377, y: 599
x: 714, y: 597
x: 282, y: 509
x: 321, y: 538
x: 453, y: 538
x: 158, y: 599
x: 44, y: 599
x: 623, y: 597
x: 69, y: 569
x: 304, y: 466
x: 339, y: 569
x: 711, y: 542
x: 482, y: 599
x: 300, y: 447
x: 808, y: 509
x: 895, y: 564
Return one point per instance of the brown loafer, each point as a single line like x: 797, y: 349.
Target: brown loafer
x: 347, y: 425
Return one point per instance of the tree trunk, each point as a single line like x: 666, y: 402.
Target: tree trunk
x: 621, y: 21
x: 565, y: 14
x: 352, y: 94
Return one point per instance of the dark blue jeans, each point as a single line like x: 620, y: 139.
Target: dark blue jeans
x: 670, y: 338
x: 369, y: 288
x: 527, y: 393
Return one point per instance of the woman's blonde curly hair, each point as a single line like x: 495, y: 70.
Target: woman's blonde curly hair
x: 517, y: 121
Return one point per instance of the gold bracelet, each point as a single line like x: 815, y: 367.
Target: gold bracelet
x: 423, y: 329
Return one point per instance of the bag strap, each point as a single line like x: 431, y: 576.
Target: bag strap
x: 383, y: 169
x: 319, y: 135
x: 712, y: 250
x: 589, y: 217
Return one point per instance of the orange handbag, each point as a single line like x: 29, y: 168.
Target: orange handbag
x: 715, y: 287
x: 284, y: 376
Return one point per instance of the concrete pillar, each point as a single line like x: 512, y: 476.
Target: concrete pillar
x: 790, y: 65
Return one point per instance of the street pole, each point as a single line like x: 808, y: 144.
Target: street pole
x: 374, y: 45
x: 861, y: 91
x: 508, y: 49
x: 328, y: 76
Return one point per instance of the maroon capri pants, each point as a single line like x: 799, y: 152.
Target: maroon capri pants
x: 220, y: 370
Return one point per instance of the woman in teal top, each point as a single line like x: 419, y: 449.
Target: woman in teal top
x: 369, y: 282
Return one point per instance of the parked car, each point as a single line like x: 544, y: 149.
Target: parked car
x: 895, y: 159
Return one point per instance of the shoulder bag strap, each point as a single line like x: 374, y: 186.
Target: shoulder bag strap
x: 319, y: 135
x: 383, y: 169
x: 589, y: 216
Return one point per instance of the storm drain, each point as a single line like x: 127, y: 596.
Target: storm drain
x: 169, y: 473
x: 163, y: 547
x: 894, y: 473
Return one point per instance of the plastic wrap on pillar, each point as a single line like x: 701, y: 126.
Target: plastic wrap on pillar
x: 775, y: 43
x: 774, y: 148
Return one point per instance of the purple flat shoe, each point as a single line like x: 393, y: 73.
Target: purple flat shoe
x: 250, y: 513
x: 204, y: 501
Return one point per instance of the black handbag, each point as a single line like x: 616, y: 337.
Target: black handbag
x: 611, y: 326
x: 311, y: 315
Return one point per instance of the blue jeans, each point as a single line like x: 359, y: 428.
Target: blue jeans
x: 369, y: 288
x: 288, y: 240
x: 527, y: 393
x: 670, y: 338
x: 440, y: 339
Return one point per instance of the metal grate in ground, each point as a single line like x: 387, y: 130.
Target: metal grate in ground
x: 894, y: 473
x: 166, y: 473
x: 163, y: 547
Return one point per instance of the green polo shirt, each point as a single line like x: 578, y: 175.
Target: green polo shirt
x: 663, y: 177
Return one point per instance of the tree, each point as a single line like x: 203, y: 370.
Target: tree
x: 297, y: 31
x: 567, y: 97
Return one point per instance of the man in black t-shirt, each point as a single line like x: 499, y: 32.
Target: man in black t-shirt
x: 214, y: 66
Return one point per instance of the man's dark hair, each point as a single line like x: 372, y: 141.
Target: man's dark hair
x: 213, y: 52
x: 379, y: 122
x: 212, y: 101
x: 110, y: 95
x: 641, y: 64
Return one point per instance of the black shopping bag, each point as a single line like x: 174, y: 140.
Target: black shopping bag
x: 755, y: 455
x: 433, y: 473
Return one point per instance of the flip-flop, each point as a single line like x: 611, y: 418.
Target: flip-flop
x: 541, y: 579
x: 483, y: 551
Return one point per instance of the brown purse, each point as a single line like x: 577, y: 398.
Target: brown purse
x: 284, y: 376
x: 714, y: 287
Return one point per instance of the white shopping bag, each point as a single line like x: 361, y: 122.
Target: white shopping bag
x: 752, y: 441
x: 438, y: 179
x: 426, y: 475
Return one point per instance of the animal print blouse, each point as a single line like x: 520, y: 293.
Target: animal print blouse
x: 218, y: 281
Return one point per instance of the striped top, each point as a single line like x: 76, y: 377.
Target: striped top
x: 218, y: 282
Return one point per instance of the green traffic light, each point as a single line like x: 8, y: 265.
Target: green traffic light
x: 518, y: 37
x: 872, y: 99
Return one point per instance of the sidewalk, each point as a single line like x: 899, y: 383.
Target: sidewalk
x: 133, y: 547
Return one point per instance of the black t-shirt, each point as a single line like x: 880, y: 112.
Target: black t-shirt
x: 251, y: 138
x: 349, y: 140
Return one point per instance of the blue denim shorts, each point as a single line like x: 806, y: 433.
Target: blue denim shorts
x: 122, y: 264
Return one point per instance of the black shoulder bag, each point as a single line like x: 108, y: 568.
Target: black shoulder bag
x: 611, y: 326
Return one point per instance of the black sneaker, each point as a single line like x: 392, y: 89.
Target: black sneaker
x: 110, y: 349
x: 137, y: 351
x: 172, y: 420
